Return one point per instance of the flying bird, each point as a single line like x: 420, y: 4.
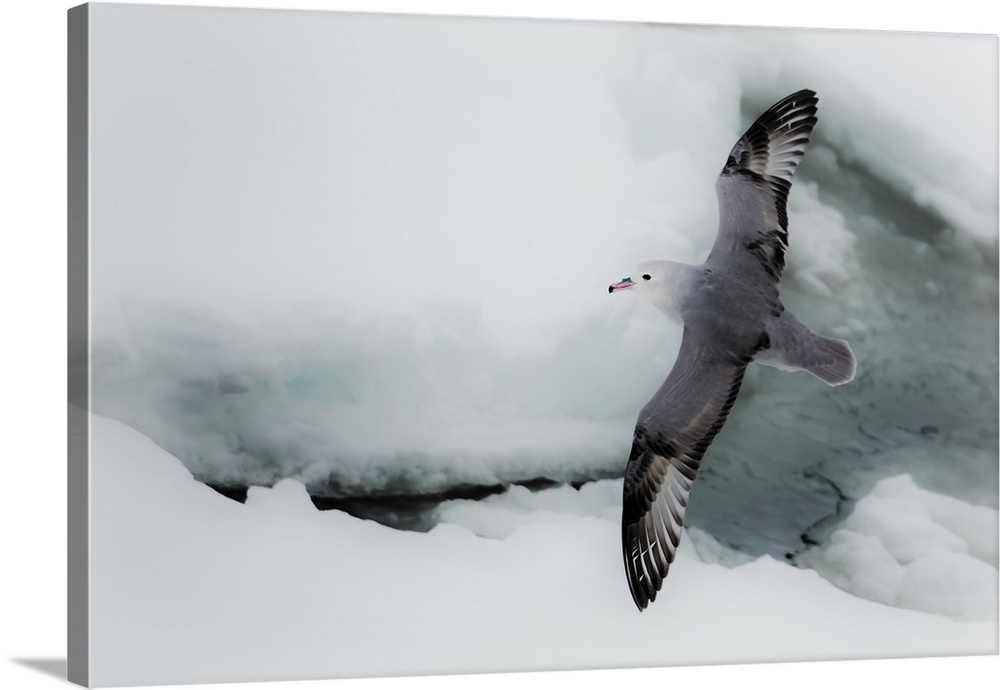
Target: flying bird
x: 732, y: 315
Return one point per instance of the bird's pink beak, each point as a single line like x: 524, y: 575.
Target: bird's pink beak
x: 625, y: 284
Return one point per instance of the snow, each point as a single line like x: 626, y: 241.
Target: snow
x: 34, y: 603
x: 188, y: 586
x: 906, y: 546
x: 373, y: 257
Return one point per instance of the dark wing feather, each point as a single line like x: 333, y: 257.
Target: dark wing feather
x: 753, y: 186
x: 673, y: 432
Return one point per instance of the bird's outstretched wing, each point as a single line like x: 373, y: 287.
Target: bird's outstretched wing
x: 753, y: 186
x: 673, y: 431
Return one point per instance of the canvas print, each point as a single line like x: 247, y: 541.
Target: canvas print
x: 422, y: 345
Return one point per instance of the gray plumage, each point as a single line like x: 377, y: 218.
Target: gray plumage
x: 732, y: 314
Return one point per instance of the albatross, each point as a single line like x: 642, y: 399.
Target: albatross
x: 732, y: 315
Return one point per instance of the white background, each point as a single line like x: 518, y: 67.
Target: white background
x: 33, y: 284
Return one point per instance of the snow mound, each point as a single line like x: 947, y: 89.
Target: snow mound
x: 908, y: 547
x: 274, y: 588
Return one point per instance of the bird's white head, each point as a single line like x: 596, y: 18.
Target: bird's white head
x: 656, y: 281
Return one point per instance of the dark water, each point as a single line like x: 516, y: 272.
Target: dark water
x: 407, y: 511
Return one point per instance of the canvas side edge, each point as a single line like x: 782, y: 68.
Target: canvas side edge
x: 77, y: 350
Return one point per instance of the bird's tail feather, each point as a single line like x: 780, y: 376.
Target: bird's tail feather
x: 838, y: 366
x: 794, y: 347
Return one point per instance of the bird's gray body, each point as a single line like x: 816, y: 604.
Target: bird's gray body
x: 732, y: 314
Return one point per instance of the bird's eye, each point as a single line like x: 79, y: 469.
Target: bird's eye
x: 646, y: 276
